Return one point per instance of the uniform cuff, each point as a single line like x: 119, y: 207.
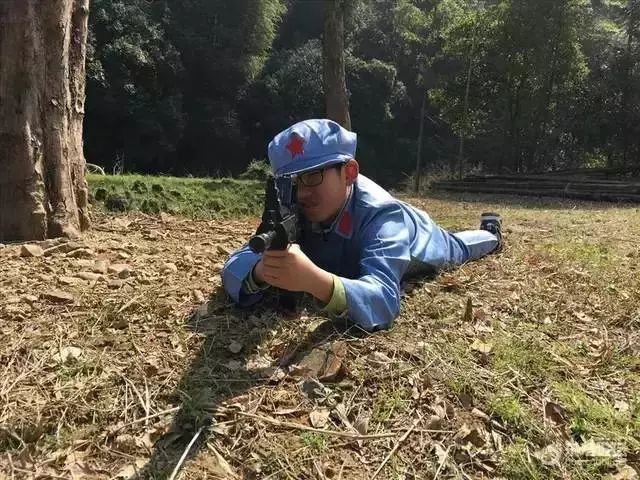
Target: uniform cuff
x: 338, y: 303
x: 250, y: 285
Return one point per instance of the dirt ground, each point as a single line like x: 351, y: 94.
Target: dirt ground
x: 120, y: 353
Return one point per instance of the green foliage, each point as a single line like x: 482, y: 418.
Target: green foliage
x: 134, y: 102
x: 597, y: 418
x: 201, y: 86
x: 518, y: 464
x: 207, y: 198
x: 257, y: 170
x: 315, y: 441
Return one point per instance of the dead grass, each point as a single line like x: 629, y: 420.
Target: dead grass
x: 539, y: 380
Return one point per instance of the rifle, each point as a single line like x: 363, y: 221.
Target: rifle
x: 280, y: 224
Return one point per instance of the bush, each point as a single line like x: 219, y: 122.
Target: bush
x: 150, y: 206
x: 117, y: 203
x: 139, y: 187
x: 257, y: 170
x: 101, y: 194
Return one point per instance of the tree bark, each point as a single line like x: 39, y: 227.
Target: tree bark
x: 420, y: 140
x: 335, y: 85
x: 43, y: 190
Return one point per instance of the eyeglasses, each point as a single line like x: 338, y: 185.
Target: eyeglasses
x: 315, y: 177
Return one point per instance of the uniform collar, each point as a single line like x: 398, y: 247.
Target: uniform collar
x: 343, y: 223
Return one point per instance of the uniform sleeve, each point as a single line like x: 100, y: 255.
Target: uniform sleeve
x: 373, y: 299
x: 235, y: 273
x: 338, y: 303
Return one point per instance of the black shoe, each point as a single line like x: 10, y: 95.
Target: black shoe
x: 492, y: 222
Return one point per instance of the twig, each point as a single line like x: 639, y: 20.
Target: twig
x: 396, y: 446
x: 296, y: 426
x: 444, y: 459
x: 129, y: 303
x: 425, y: 430
x: 147, y: 405
x: 319, y: 471
x: 184, y: 455
x: 148, y: 417
x: 143, y: 404
x: 32, y: 474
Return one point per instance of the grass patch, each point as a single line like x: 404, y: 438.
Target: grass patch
x: 581, y: 252
x: 524, y: 352
x: 508, y: 407
x: 599, y: 419
x: 204, y: 198
x: 517, y: 463
x: 315, y: 441
x: 389, y: 403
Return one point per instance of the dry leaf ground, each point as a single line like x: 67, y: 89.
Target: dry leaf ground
x: 524, y: 365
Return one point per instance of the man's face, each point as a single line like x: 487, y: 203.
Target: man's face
x: 322, y: 193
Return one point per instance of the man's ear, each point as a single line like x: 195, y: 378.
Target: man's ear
x: 351, y: 170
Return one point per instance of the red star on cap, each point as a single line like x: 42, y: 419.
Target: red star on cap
x: 295, y: 145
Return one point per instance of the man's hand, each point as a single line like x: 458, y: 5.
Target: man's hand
x: 292, y: 270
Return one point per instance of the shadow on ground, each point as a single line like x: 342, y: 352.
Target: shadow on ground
x: 216, y: 375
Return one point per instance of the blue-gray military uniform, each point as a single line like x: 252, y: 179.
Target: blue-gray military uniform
x: 374, y: 242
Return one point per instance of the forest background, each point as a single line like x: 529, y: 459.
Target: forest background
x: 199, y: 87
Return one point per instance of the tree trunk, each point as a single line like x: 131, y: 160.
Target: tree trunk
x: 633, y: 13
x: 420, y: 140
x: 43, y: 190
x: 465, y: 112
x: 335, y: 85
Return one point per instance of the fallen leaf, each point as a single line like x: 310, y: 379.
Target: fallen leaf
x: 441, y: 453
x: 333, y: 366
x: 621, y: 406
x: 235, y: 347
x: 379, y: 358
x: 165, y: 217
x: 131, y: 469
x: 591, y: 449
x: 434, y: 422
x: 324, y: 363
x: 287, y: 411
x: 31, y: 251
x: 221, y: 467
x: 480, y: 414
x: 362, y: 424
x: 233, y: 365
x: 555, y: 413
x: 626, y: 473
x: 319, y: 418
x: 198, y: 296
x: 312, y: 388
x: 482, y: 347
x: 549, y: 456
x: 474, y: 434
x: 58, y: 296
x: 79, y: 470
x: 67, y: 353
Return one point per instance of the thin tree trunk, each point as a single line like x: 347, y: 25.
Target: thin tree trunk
x: 544, y: 110
x: 43, y: 190
x: 335, y: 85
x: 420, y: 138
x: 632, y: 12
x: 465, y: 113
